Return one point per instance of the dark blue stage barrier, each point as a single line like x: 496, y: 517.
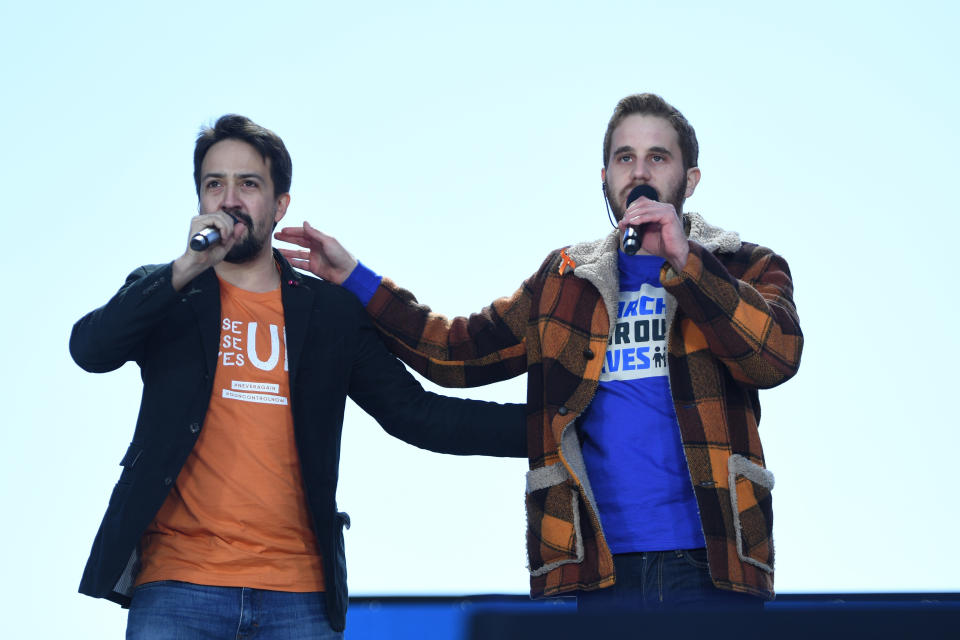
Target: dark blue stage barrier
x: 507, y: 617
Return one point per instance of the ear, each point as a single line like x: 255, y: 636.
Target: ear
x: 603, y: 175
x: 282, y: 203
x: 693, y: 179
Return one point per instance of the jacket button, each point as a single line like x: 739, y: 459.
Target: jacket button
x: 167, y: 481
x: 195, y: 427
x: 588, y: 354
x: 563, y: 411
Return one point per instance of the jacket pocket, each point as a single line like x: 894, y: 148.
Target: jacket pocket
x: 341, y: 520
x: 750, y: 487
x: 554, y: 537
x: 130, y: 459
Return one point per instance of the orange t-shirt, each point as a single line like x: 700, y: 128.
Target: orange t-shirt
x: 237, y: 515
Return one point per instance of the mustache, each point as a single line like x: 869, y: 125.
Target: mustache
x: 239, y: 216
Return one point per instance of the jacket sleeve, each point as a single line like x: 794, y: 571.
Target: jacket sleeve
x: 383, y: 387
x: 108, y: 337
x: 749, y: 322
x: 485, y: 347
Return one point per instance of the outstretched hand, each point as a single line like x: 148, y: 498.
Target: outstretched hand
x: 322, y: 255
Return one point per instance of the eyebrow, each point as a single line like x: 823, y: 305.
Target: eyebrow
x: 661, y: 150
x: 628, y: 149
x: 239, y: 175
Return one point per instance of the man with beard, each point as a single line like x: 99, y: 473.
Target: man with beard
x: 224, y: 519
x: 647, y: 486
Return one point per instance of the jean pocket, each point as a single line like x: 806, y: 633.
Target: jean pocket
x: 554, y: 537
x: 696, y: 558
x: 750, y: 497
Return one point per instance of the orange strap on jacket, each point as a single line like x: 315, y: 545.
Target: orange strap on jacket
x: 567, y: 261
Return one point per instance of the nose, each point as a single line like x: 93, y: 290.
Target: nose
x: 231, y: 199
x: 641, y: 171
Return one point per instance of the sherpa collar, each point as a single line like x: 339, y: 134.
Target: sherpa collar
x: 596, y: 261
x: 712, y: 238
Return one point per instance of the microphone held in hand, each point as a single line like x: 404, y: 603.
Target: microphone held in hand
x: 202, y: 240
x: 631, y: 238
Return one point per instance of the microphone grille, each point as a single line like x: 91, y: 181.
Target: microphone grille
x: 642, y: 190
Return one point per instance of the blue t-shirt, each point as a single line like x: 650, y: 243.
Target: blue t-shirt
x: 631, y: 439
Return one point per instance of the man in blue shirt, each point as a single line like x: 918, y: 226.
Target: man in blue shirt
x: 658, y: 496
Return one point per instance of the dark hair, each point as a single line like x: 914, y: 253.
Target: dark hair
x: 649, y: 104
x: 266, y: 142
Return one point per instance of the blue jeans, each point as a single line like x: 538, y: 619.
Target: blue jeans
x: 169, y: 610
x: 664, y: 581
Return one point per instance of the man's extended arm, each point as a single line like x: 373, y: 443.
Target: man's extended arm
x: 469, y: 351
x: 382, y: 387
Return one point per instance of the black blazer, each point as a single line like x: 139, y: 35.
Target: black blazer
x: 333, y: 351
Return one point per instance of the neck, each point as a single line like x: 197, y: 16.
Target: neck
x: 258, y: 275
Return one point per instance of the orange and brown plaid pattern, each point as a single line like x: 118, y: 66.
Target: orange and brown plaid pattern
x: 734, y: 330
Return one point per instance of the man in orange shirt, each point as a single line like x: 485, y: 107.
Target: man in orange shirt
x: 225, y: 510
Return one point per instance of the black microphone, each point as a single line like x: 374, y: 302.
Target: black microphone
x: 631, y: 239
x: 202, y: 240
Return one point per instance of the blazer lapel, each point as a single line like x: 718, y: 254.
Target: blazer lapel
x: 203, y: 295
x: 297, y: 305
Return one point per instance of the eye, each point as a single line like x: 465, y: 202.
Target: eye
x: 627, y: 157
x: 212, y: 184
x: 658, y: 158
x: 250, y: 184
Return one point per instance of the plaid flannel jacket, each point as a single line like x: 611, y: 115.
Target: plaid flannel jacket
x: 732, y: 329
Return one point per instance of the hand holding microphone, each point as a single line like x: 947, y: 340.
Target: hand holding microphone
x: 208, y: 230
x: 631, y: 238
x: 202, y: 240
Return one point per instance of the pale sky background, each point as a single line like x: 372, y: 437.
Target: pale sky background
x: 452, y: 146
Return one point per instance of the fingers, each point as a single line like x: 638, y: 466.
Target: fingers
x: 291, y: 234
x: 225, y: 225
x: 645, y: 211
x: 322, y: 255
x: 304, y: 236
x: 229, y: 229
x: 218, y: 219
x: 193, y: 262
x: 295, y: 254
x: 314, y: 234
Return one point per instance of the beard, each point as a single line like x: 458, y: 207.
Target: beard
x: 250, y: 246
x: 676, y: 199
